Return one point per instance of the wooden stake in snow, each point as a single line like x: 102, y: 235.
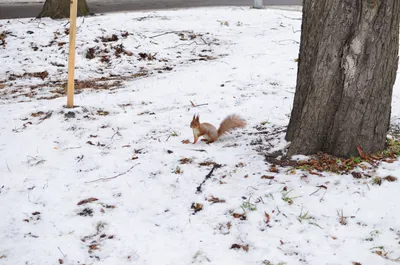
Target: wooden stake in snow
x: 71, y: 59
x: 258, y: 4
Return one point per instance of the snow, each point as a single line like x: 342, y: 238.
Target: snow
x: 42, y: 1
x: 124, y: 147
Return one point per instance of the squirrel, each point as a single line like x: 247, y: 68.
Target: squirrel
x: 210, y: 133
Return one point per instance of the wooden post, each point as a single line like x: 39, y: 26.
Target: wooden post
x: 71, y: 58
x: 258, y: 4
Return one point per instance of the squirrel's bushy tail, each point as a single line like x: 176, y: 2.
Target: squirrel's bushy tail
x: 231, y: 122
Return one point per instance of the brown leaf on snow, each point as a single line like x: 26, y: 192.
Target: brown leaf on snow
x: 87, y: 201
x: 111, y: 38
x: 215, y: 200
x: 60, y: 261
x: 322, y: 186
x: 93, y: 247
x: 239, y: 216
x: 186, y: 141
x: 237, y: 246
x: 390, y: 178
x: 273, y: 169
x: 240, y: 164
x: 37, y: 114
x: 197, y: 207
x: 207, y: 163
x: 185, y: 160
x: 356, y: 175
x: 35, y: 213
x: 356, y: 263
x: 267, y: 177
x: 316, y: 173
x: 267, y: 218
x: 147, y: 56
x: 3, y: 36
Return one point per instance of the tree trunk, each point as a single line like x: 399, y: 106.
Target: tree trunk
x: 346, y: 72
x: 60, y: 9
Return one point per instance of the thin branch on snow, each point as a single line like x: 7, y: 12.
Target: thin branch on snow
x: 162, y: 34
x: 293, y: 18
x: 168, y: 32
x: 62, y: 253
x: 295, y: 31
x: 116, y: 133
x: 185, y: 44
x: 116, y: 176
x: 198, y: 189
x: 294, y: 41
x: 8, y: 167
x: 199, y: 150
x: 198, y: 105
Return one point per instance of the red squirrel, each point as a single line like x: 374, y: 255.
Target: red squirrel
x: 210, y: 133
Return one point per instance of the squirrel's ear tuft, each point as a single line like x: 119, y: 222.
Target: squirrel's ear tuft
x: 194, y: 116
x: 198, y: 118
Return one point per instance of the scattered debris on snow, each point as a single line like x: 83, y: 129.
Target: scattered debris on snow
x: 110, y: 181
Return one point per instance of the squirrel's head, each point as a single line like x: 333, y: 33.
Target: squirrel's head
x: 195, y: 122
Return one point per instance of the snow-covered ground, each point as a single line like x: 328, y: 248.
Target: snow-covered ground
x: 42, y: 1
x: 121, y: 149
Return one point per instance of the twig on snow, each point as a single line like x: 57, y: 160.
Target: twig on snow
x: 294, y: 41
x: 199, y: 150
x: 293, y: 18
x: 198, y: 189
x: 116, y: 176
x: 8, y: 167
x: 162, y: 34
x: 62, y: 252
x: 116, y: 133
x: 186, y: 44
x: 198, y: 105
x: 295, y: 31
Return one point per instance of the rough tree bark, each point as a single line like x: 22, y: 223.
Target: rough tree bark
x: 60, y: 9
x: 346, y: 72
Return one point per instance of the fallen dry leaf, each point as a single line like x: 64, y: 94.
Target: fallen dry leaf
x: 267, y: 177
x: 267, y: 218
x: 215, y: 200
x: 206, y: 163
x: 273, y: 169
x: 239, y: 216
x: 197, y: 207
x: 87, y: 201
x: 237, y: 246
x: 390, y: 178
x: 185, y: 160
x: 356, y: 175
